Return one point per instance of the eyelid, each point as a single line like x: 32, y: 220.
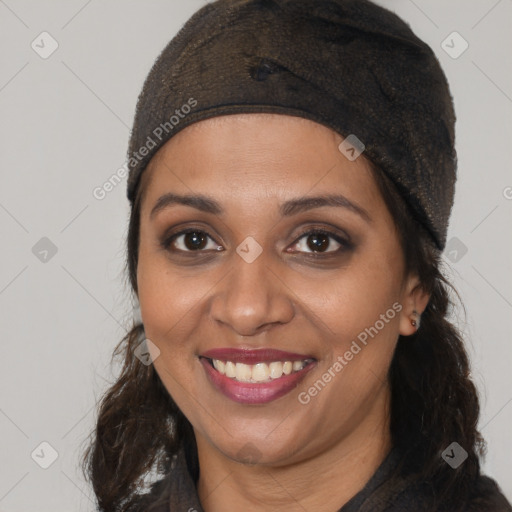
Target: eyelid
x: 331, y: 231
x: 343, y: 240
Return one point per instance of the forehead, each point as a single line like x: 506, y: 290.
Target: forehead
x: 258, y: 156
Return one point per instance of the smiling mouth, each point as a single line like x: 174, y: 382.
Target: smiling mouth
x: 255, y: 376
x: 262, y: 372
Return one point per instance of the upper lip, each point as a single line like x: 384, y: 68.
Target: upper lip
x: 253, y: 356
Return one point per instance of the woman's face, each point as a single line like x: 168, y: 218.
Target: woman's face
x: 266, y: 268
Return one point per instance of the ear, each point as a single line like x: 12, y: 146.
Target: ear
x: 414, y: 302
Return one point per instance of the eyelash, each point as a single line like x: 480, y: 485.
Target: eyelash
x: 344, y: 243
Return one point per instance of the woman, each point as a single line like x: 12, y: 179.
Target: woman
x: 292, y: 176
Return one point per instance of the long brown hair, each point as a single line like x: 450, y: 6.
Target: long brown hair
x: 433, y: 400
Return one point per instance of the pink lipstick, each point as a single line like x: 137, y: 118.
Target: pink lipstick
x: 255, y: 376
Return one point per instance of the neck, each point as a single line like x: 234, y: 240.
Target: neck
x: 325, y: 481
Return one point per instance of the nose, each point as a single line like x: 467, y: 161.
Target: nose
x: 253, y: 297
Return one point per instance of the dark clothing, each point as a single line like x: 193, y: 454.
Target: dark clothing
x: 177, y: 493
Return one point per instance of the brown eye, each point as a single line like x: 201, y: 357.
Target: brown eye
x: 318, y: 242
x: 321, y: 242
x: 192, y: 240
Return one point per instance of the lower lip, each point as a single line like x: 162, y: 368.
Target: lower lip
x: 254, y: 393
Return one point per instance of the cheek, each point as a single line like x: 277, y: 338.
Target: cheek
x: 174, y: 303
x: 163, y: 299
x: 361, y: 319
x: 354, y: 299
x: 170, y: 306
x: 359, y: 310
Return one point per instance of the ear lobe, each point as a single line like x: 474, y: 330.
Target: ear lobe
x: 415, y: 300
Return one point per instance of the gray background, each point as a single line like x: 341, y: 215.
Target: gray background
x: 64, y: 130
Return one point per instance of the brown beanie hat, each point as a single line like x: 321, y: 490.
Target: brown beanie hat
x: 347, y: 64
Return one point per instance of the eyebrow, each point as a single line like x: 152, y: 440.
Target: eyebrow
x: 287, y: 209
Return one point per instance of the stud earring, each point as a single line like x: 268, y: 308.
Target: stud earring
x: 416, y: 323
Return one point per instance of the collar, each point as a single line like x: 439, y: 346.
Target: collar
x: 375, y: 496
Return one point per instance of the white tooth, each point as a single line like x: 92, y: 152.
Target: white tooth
x: 260, y: 372
x: 276, y: 369
x: 243, y: 372
x: 219, y: 366
x: 230, y: 369
x: 297, y: 365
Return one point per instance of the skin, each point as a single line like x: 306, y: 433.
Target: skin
x: 312, y: 456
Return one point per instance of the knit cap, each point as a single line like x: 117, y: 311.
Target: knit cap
x: 350, y: 65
